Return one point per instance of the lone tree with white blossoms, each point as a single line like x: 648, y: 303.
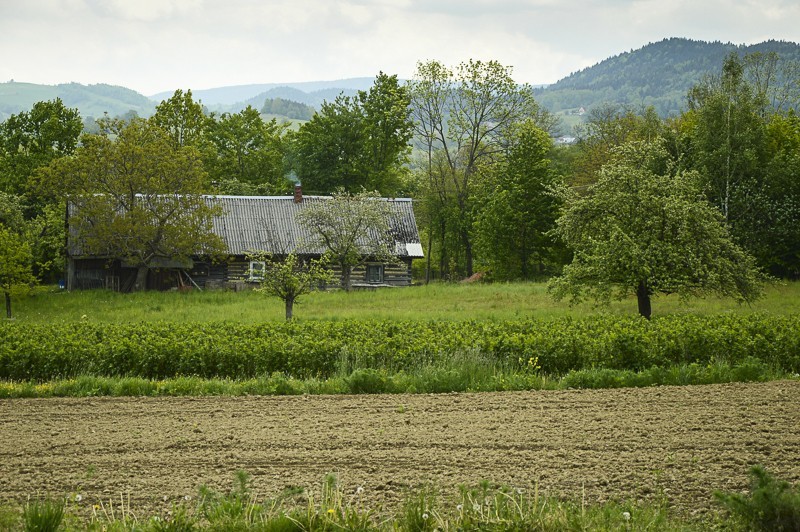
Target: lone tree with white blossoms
x: 644, y: 228
x: 291, y: 278
x: 351, y: 228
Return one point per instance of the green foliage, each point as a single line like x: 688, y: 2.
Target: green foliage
x: 248, y: 150
x: 357, y: 142
x: 43, y: 515
x: 351, y: 228
x: 642, y: 229
x: 741, y: 132
x: 32, y: 139
x: 772, y: 505
x: 319, y: 349
x: 464, y: 121
x: 183, y: 120
x: 288, y: 279
x: 15, y: 264
x: 518, y: 212
x: 135, y: 197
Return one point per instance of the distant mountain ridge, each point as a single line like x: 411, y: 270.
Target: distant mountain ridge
x: 91, y: 100
x: 240, y: 93
x: 658, y: 74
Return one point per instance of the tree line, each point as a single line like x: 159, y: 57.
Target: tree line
x: 706, y: 200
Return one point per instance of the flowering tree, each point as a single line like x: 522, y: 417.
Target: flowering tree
x: 352, y: 228
x: 291, y: 278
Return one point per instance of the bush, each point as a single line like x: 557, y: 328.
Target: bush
x: 772, y: 505
x: 322, y: 349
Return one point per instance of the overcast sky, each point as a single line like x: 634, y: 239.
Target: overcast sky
x: 161, y: 45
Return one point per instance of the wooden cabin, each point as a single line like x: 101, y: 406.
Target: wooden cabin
x: 250, y: 224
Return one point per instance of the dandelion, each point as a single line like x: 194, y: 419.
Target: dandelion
x: 78, y: 497
x: 425, y: 517
x: 626, y: 516
x: 460, y: 507
x: 476, y: 507
x: 187, y: 498
x: 359, y: 490
x: 330, y: 511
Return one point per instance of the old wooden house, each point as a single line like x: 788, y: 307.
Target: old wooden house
x: 250, y: 224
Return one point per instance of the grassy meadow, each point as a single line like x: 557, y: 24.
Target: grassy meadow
x: 437, y: 301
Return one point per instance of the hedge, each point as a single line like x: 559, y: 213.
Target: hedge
x: 323, y: 348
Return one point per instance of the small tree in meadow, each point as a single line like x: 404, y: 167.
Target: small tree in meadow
x: 15, y: 264
x: 291, y: 278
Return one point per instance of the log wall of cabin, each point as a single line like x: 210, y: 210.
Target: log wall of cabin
x: 394, y: 274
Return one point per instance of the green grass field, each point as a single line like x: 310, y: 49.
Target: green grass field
x: 432, y: 302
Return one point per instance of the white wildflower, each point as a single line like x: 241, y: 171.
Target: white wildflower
x: 626, y: 516
x: 78, y: 497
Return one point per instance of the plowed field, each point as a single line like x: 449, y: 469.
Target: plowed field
x: 625, y: 444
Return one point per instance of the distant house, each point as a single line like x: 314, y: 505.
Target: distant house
x: 250, y: 224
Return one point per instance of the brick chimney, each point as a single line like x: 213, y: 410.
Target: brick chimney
x: 298, y: 193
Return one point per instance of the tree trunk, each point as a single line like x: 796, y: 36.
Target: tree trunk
x: 643, y: 297
x: 346, y: 271
x: 141, y: 279
x: 428, y: 259
x: 467, y: 251
x: 289, y: 308
x: 8, y: 305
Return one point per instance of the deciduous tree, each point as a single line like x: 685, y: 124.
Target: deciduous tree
x: 519, y: 211
x: 290, y: 278
x: 183, y: 119
x: 15, y: 264
x: 248, y: 150
x: 357, y: 142
x: 351, y: 228
x: 32, y: 139
x: 466, y: 117
x: 135, y: 197
x: 643, y: 228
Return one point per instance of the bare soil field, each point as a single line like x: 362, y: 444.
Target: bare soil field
x: 627, y: 444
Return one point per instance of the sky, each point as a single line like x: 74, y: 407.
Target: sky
x: 154, y: 46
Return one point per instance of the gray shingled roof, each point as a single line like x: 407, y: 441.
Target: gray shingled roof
x: 269, y: 223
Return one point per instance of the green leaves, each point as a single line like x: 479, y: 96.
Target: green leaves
x: 288, y: 279
x: 644, y: 222
x: 136, y: 196
x: 322, y: 349
x: 357, y: 142
x: 352, y: 228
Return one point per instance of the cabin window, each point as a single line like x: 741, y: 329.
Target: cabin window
x: 374, y: 273
x: 256, y: 270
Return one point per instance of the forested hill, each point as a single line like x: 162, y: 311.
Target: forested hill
x: 92, y: 100
x: 659, y: 74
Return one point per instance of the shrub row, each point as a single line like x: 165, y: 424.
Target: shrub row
x: 322, y: 349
